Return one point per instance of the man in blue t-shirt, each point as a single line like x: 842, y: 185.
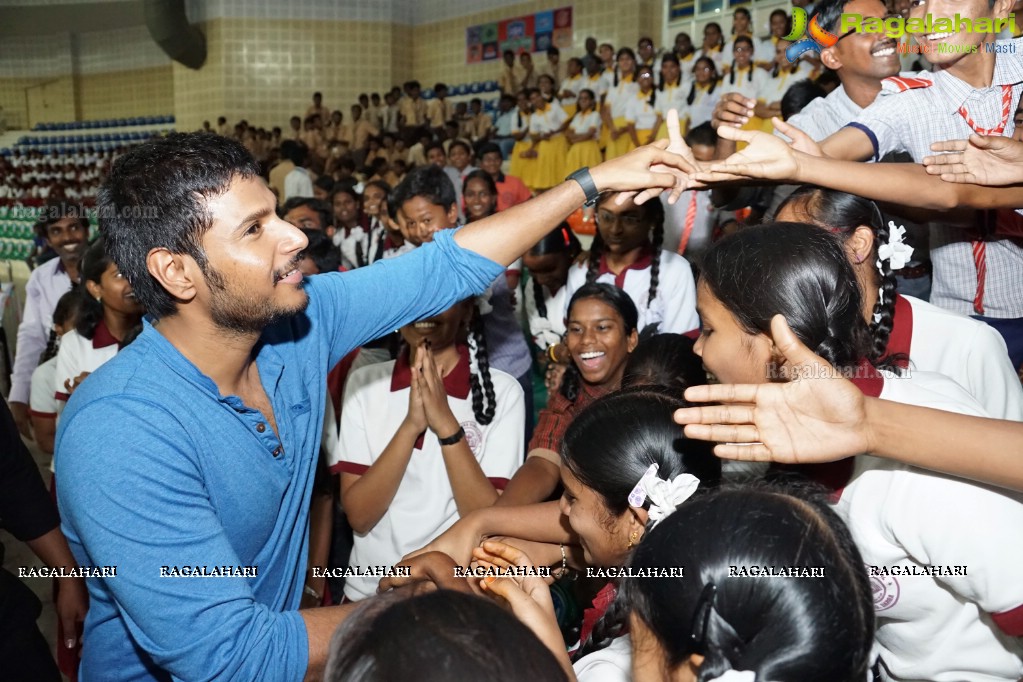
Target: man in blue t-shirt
x: 187, y: 461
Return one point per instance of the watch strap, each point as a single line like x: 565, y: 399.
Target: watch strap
x: 585, y: 180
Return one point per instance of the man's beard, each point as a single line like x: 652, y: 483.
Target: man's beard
x: 242, y: 313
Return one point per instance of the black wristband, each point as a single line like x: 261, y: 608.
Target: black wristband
x: 451, y: 440
x: 585, y: 180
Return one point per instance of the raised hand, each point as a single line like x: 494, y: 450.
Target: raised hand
x: 982, y: 160
x: 732, y: 110
x: 801, y: 142
x: 682, y: 172
x: 416, y: 416
x: 765, y: 157
x: 817, y: 416
x: 528, y: 597
x: 439, y: 417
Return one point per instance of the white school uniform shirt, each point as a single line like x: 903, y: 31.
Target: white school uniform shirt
x: 42, y: 404
x: 520, y: 121
x: 549, y: 120
x: 640, y: 112
x: 619, y: 96
x: 935, y: 99
x: 764, y: 50
x: 573, y: 85
x: 78, y: 354
x: 581, y: 123
x: 549, y: 330
x: 970, y: 352
x: 773, y: 89
x: 747, y: 82
x: 611, y: 664
x: 674, y: 307
x: 597, y: 84
x: 949, y: 627
x: 374, y: 406
x: 674, y: 97
x: 702, y: 108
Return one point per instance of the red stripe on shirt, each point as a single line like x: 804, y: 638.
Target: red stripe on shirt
x: 62, y: 396
x: 349, y: 468
x: 498, y: 483
x: 1010, y: 622
x: 42, y: 415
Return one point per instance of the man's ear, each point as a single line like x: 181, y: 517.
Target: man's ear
x: 830, y: 59
x: 177, y: 273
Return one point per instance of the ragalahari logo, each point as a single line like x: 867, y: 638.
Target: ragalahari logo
x: 816, y: 39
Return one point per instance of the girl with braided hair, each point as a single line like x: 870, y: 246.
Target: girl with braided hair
x: 424, y: 439
x: 905, y: 521
x: 626, y: 252
x: 905, y: 328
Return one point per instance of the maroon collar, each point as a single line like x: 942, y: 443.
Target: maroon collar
x: 836, y: 475
x: 646, y: 257
x: 901, y: 338
x: 456, y: 384
x: 102, y: 338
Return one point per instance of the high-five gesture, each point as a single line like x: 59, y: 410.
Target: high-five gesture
x: 982, y: 160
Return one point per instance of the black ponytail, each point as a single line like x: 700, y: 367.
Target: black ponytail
x: 655, y: 214
x: 841, y: 213
x: 64, y: 313
x: 90, y: 310
x: 560, y: 240
x: 610, y: 445
x: 482, y: 385
x: 796, y: 270
x: 812, y: 629
x: 593, y: 263
x: 51, y: 347
x: 692, y: 94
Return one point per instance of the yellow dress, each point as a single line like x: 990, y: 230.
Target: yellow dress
x: 618, y: 97
x: 586, y: 153
x: 551, y: 152
x: 524, y: 169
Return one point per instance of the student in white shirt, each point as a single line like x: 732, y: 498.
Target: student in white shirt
x: 108, y: 313
x: 781, y: 26
x: 545, y: 126
x: 771, y: 90
x: 621, y: 87
x: 741, y: 28
x: 583, y: 133
x: 602, y: 462
x: 816, y: 626
x: 704, y: 93
x: 571, y: 85
x: 643, y: 113
x: 545, y: 296
x: 43, y: 405
x: 926, y: 337
x: 672, y: 88
x: 933, y: 625
x: 626, y: 252
x: 425, y: 439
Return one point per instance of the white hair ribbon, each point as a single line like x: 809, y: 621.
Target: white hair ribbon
x: 664, y: 496
x: 736, y: 676
x: 896, y: 251
x: 483, y: 301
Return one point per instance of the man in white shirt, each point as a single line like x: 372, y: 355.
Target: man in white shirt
x: 65, y: 229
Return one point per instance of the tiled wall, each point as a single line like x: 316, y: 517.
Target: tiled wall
x: 439, y: 47
x: 266, y: 57
x: 265, y: 70
x: 101, y: 74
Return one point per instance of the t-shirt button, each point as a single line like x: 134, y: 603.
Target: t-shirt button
x: 261, y: 427
x: 277, y: 451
